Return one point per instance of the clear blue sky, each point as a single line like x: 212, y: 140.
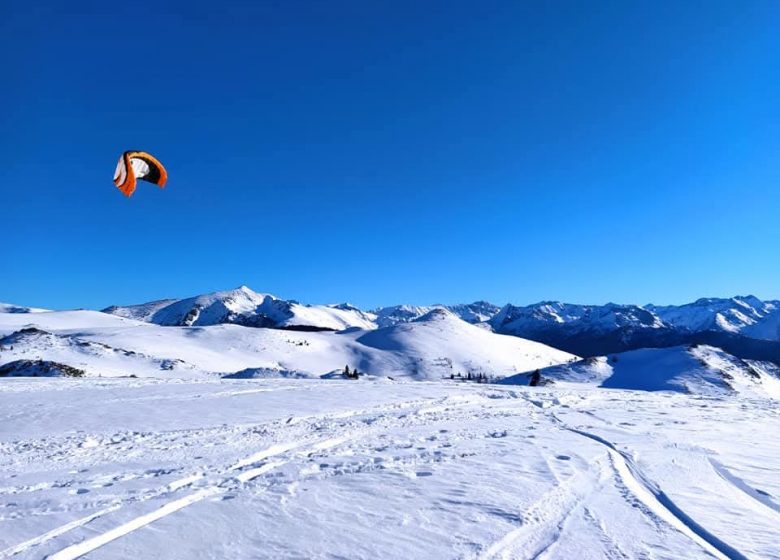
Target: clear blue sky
x: 385, y: 152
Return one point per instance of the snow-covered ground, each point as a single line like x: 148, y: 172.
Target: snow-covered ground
x: 212, y: 468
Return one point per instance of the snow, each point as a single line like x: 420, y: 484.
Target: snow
x: 698, y: 369
x: 731, y: 315
x: 245, y: 306
x: 11, y: 308
x: 432, y: 347
x: 767, y: 329
x: 228, y: 441
x: 546, y: 315
x: 282, y: 468
x: 477, y: 312
x: 742, y: 315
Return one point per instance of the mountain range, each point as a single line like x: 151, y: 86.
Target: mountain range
x: 745, y: 326
x: 711, y: 346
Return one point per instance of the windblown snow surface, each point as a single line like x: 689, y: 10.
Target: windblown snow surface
x: 151, y: 468
x: 182, y: 463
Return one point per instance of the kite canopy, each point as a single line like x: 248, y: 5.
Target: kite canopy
x: 134, y: 165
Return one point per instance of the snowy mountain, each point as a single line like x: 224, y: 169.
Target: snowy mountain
x: 477, y: 312
x: 393, y: 315
x: 595, y: 318
x: 243, y: 306
x: 696, y: 369
x: 733, y: 315
x: 745, y: 326
x: 437, y: 345
x: 580, y: 329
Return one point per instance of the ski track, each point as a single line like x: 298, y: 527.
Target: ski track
x: 54, y: 533
x: 399, y: 411
x: 543, y: 521
x: 80, y: 549
x: 655, y: 499
x: 660, y: 504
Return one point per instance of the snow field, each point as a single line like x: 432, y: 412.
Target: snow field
x: 290, y: 469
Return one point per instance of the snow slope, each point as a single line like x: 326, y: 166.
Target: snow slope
x: 107, y: 345
x: 700, y: 369
x: 92, y: 357
x: 151, y: 468
x: 439, y: 344
x: 768, y: 328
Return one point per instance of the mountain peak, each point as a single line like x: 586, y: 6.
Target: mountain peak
x: 437, y: 314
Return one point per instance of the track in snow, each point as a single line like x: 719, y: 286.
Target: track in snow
x: 234, y: 476
x: 543, y: 521
x: 660, y: 504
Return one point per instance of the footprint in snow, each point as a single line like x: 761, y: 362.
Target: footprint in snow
x: 497, y: 434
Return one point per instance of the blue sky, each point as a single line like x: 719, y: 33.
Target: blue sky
x: 385, y: 152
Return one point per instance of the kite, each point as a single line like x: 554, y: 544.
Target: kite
x: 134, y: 165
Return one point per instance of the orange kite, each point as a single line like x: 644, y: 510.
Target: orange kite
x: 134, y: 165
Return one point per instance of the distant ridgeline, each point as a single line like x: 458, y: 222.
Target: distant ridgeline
x: 746, y: 327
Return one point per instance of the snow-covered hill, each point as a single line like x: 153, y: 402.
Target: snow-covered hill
x: 440, y: 344
x: 696, y: 369
x: 89, y: 356
x: 11, y: 308
x: 434, y: 346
